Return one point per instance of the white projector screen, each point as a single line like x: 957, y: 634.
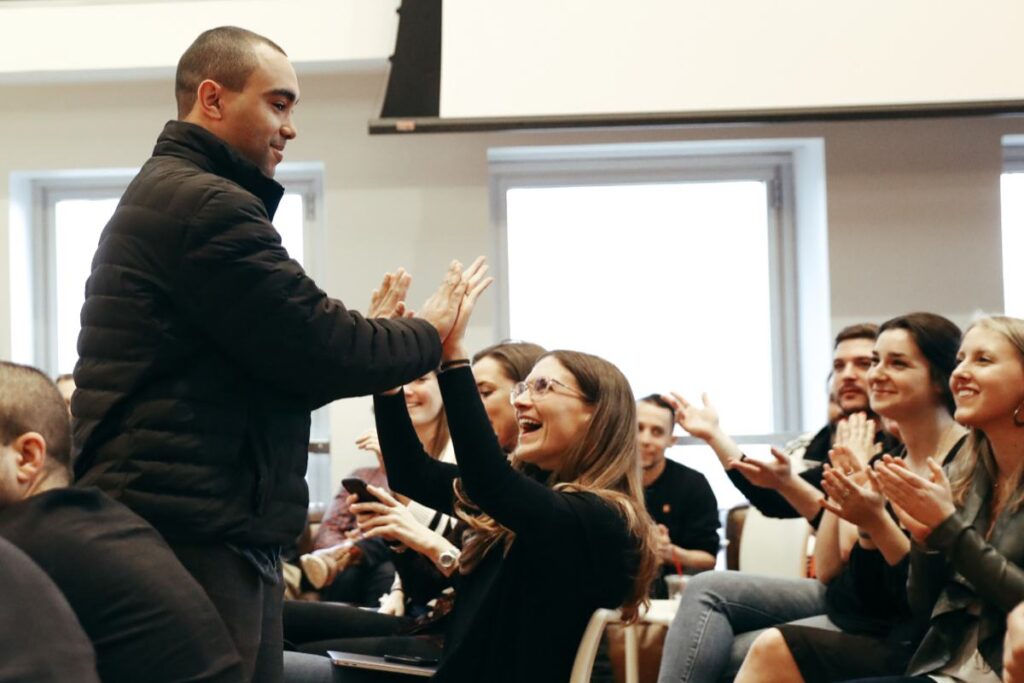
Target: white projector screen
x: 578, y: 58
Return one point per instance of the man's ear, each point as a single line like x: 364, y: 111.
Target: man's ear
x: 31, y: 450
x: 210, y: 100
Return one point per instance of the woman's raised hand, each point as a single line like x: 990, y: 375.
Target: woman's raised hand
x: 921, y: 504
x: 701, y: 423
x: 388, y: 300
x: 442, y: 308
x: 391, y: 520
x: 854, y: 443
x: 475, y: 282
x: 855, y: 497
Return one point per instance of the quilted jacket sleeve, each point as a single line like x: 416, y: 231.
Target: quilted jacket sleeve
x: 238, y: 285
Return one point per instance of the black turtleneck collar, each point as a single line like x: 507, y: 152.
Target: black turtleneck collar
x: 209, y: 152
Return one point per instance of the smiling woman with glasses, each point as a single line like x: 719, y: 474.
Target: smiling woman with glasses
x: 552, y: 534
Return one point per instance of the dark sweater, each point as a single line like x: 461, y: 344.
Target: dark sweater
x: 42, y: 639
x: 520, y: 616
x: 146, y: 616
x: 682, y: 500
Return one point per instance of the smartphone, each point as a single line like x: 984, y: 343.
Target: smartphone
x: 358, y: 487
x: 411, y: 659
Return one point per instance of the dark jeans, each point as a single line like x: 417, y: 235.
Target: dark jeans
x: 316, y: 627
x: 250, y: 608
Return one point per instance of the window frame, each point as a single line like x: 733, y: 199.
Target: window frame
x: 1013, y: 163
x: 49, y: 188
x: 43, y: 190
x: 649, y: 163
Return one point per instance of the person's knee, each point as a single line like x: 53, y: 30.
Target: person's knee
x: 711, y: 588
x: 769, y: 648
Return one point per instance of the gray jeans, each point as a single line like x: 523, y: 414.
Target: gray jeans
x: 721, y: 614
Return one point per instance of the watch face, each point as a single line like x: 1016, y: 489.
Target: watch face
x: 447, y: 559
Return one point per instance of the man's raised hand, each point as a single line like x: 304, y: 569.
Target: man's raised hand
x: 388, y: 300
x: 476, y: 283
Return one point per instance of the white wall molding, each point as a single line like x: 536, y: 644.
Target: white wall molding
x: 60, y: 42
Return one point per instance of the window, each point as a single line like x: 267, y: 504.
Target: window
x: 70, y: 212
x: 676, y: 264
x: 1012, y: 191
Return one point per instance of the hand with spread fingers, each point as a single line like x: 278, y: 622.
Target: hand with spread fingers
x: 474, y: 283
x: 701, y: 423
x: 442, y: 308
x: 854, y: 444
x: 771, y: 474
x: 854, y: 497
x: 921, y: 504
x: 388, y: 300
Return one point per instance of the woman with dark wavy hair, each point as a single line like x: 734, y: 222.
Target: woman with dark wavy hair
x: 553, y: 534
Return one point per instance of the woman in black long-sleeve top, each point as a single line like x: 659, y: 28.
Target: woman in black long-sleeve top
x: 555, y: 533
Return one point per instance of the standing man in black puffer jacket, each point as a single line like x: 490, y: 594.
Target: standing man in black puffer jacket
x: 204, y: 347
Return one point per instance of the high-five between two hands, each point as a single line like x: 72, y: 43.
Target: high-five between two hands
x: 448, y: 309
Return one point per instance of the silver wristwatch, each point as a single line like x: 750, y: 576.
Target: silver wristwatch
x: 448, y: 558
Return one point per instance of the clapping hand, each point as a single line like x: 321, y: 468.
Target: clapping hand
x: 770, y: 475
x: 854, y: 443
x: 388, y: 300
x: 698, y: 422
x: 854, y: 497
x: 921, y: 504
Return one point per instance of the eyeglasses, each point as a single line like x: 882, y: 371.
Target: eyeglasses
x: 540, y: 387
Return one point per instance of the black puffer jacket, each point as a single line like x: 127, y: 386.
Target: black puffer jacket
x: 204, y: 348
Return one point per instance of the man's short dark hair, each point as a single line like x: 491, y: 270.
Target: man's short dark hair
x: 858, y: 331
x: 31, y: 402
x: 225, y: 54
x: 656, y: 399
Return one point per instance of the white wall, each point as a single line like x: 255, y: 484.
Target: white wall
x: 94, y: 40
x: 913, y: 207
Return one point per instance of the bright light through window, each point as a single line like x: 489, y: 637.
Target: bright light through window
x: 288, y: 221
x: 1013, y: 243
x: 668, y: 281
x: 78, y: 224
